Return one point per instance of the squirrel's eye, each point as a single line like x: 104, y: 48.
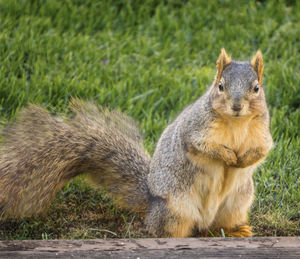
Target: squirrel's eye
x: 221, y: 87
x: 256, y: 88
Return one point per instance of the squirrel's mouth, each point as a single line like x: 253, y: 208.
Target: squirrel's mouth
x: 238, y: 115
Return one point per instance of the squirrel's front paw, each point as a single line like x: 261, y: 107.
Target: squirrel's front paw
x: 229, y: 156
x: 250, y: 157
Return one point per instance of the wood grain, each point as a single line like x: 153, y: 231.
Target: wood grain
x: 257, y: 247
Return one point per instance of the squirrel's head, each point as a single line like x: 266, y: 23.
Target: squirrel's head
x: 237, y: 90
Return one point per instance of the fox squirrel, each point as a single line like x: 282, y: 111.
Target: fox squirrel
x: 199, y: 177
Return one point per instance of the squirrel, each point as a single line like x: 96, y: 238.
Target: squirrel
x: 199, y: 177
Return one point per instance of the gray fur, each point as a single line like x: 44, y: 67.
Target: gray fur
x: 238, y: 79
x: 169, y: 161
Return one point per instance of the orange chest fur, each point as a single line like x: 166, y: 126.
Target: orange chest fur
x: 238, y: 134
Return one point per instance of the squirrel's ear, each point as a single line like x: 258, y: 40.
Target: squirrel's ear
x: 258, y: 65
x: 222, y: 62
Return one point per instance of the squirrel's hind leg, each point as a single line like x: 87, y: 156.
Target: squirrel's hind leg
x: 162, y: 222
x: 232, y: 216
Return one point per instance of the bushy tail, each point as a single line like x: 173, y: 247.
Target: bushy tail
x: 40, y: 153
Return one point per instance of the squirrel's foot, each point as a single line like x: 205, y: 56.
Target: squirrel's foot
x: 241, y: 231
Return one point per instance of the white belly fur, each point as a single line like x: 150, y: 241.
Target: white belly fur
x: 210, y: 189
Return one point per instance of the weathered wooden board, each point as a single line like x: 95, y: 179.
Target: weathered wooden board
x: 257, y: 247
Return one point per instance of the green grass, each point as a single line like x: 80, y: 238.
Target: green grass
x: 149, y: 59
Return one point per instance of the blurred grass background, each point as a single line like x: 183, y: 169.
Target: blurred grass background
x: 149, y: 59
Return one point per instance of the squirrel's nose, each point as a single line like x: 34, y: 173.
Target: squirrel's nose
x: 237, y: 107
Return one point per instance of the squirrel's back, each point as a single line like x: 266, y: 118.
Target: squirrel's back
x: 169, y: 159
